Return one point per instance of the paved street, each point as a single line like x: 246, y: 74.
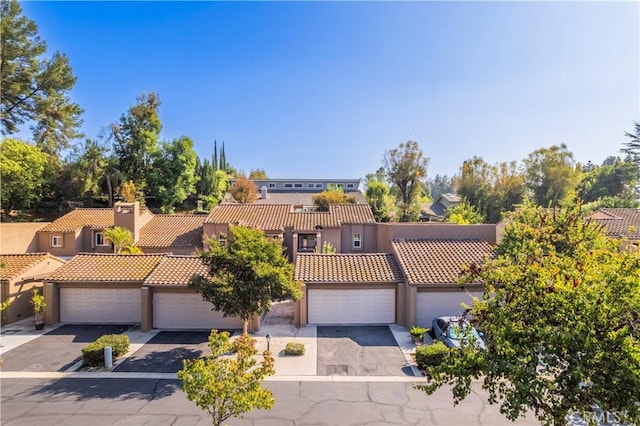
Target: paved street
x: 83, y: 401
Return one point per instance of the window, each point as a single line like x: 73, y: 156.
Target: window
x: 99, y: 239
x: 349, y: 185
x: 357, y: 241
x: 310, y: 185
x: 272, y: 185
x: 222, y: 239
x: 288, y: 185
x: 56, y: 241
x: 319, y: 185
x: 306, y: 243
x: 298, y: 185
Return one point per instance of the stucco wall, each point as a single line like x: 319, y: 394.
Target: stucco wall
x: 18, y: 238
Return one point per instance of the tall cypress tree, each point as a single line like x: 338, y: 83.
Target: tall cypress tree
x: 215, y: 155
x: 223, y: 159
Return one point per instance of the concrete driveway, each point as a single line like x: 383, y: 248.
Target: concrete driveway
x: 165, y: 351
x: 359, y: 351
x: 56, y: 350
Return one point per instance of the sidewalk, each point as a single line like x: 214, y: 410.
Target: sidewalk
x: 20, y: 332
x: 278, y: 324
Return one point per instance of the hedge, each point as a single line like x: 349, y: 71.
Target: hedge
x: 93, y: 353
x: 431, y: 355
x: 294, y: 348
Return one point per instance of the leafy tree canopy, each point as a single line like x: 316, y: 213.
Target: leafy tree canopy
x: 120, y: 237
x: 173, y: 176
x: 614, y: 178
x: 225, y: 386
x: 331, y: 195
x: 247, y: 276
x: 258, y: 174
x: 382, y: 203
x: 463, y: 213
x: 21, y: 174
x: 560, y: 311
x: 406, y: 167
x: 551, y: 174
x: 34, y: 89
x: 244, y: 190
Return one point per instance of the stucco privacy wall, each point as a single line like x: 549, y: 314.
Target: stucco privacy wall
x: 432, y: 231
x: 17, y: 238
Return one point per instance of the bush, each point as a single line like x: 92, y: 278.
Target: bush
x: 431, y: 355
x: 294, y: 348
x: 93, y: 353
x: 418, y: 332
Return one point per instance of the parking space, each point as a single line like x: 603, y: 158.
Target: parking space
x: 359, y: 351
x: 166, y: 350
x: 56, y: 350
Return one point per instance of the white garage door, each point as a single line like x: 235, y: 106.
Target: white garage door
x: 188, y: 311
x: 100, y: 305
x: 431, y: 305
x: 367, y: 306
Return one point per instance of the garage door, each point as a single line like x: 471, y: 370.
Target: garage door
x: 431, y: 305
x: 367, y: 306
x: 188, y: 311
x: 100, y: 305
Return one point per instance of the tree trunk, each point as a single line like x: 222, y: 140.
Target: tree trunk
x: 245, y: 327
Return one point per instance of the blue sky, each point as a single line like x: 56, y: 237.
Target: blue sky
x: 323, y: 89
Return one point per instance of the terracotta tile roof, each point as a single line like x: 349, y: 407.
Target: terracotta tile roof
x: 438, y: 261
x: 276, y: 217
x: 176, y: 271
x: 80, y: 218
x: 172, y: 231
x: 619, y: 222
x: 15, y: 264
x: 89, y: 267
x: 347, y: 268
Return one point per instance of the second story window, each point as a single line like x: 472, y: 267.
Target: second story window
x: 56, y: 241
x: 306, y: 243
x: 222, y: 239
x: 100, y: 240
x: 357, y: 240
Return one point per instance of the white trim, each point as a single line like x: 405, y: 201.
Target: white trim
x: 104, y: 240
x: 58, y: 238
x: 357, y: 240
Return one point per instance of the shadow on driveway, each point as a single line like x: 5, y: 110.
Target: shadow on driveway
x: 58, y: 349
x: 166, y: 350
x: 359, y: 351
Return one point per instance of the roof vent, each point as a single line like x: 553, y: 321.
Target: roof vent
x: 263, y: 192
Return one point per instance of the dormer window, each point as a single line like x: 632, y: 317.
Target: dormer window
x: 56, y: 241
x: 357, y: 241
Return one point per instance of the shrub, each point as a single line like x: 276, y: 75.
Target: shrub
x: 418, y: 332
x: 294, y: 348
x: 431, y: 355
x: 93, y: 353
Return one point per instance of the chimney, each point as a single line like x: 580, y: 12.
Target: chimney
x: 263, y: 192
x: 127, y: 215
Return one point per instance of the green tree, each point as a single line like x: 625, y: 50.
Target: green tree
x: 380, y: 200
x: 120, y: 237
x: 614, y: 178
x: 135, y: 138
x: 560, y: 309
x: 87, y: 170
x: 491, y: 189
x: 223, y: 386
x: 21, y: 174
x: 552, y: 175
x: 405, y: 167
x: 331, y: 195
x: 632, y: 147
x: 258, y: 174
x: 173, y: 176
x: 464, y: 214
x: 247, y: 276
x: 34, y: 89
x: 244, y: 191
